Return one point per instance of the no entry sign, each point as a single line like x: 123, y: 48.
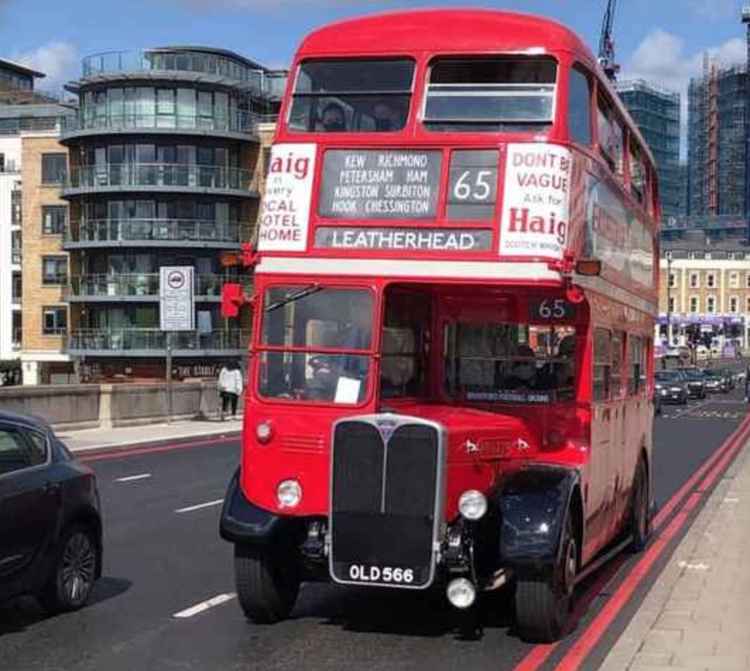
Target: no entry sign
x: 176, y: 298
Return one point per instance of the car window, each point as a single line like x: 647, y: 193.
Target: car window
x: 37, y: 448
x: 14, y: 451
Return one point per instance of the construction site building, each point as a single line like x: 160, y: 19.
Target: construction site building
x: 656, y: 111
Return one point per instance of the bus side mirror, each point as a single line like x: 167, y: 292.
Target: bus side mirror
x: 232, y: 299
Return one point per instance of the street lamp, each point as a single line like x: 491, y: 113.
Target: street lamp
x: 669, y: 298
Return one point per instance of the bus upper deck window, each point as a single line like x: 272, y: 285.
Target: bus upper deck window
x: 611, y: 143
x: 500, y: 94
x: 637, y: 173
x: 579, y: 107
x: 355, y: 96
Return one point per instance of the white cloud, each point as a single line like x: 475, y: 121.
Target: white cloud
x: 60, y: 61
x: 663, y: 59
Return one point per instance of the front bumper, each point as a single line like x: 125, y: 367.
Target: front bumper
x: 669, y: 396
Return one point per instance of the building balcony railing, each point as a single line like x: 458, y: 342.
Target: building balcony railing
x: 167, y: 175
x: 154, y: 341
x: 258, y: 81
x: 236, y: 122
x: 16, y: 255
x: 144, y: 285
x: 110, y: 231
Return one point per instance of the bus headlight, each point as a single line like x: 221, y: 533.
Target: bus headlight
x: 289, y: 494
x: 472, y: 504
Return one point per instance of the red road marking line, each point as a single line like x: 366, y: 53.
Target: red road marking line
x: 540, y: 653
x: 590, y: 637
x: 118, y: 454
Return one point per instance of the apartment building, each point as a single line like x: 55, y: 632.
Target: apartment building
x: 45, y: 263
x: 166, y: 164
x: 705, y: 294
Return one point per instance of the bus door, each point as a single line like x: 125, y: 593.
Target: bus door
x: 622, y: 433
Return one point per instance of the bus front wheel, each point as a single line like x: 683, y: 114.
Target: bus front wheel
x: 543, y: 605
x: 267, y: 585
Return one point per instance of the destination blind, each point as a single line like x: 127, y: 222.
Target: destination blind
x: 380, y: 184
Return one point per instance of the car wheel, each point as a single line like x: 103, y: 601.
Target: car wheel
x: 267, y: 587
x: 543, y: 605
x: 74, y: 571
x: 640, y: 519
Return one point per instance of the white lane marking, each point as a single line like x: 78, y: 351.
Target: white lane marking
x: 190, y: 509
x: 132, y: 478
x: 690, y: 409
x: 205, y: 605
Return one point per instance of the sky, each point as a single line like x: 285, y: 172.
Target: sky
x: 659, y: 40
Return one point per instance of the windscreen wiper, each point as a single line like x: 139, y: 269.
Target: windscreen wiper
x: 307, y: 291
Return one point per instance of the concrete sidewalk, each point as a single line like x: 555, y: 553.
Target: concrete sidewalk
x: 697, y: 614
x: 97, y: 439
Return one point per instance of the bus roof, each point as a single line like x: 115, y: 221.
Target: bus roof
x: 472, y: 30
x: 457, y: 30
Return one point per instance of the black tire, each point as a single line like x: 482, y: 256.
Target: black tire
x: 543, y: 605
x: 267, y: 585
x: 640, y: 515
x: 74, y: 571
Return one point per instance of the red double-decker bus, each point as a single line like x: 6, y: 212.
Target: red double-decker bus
x: 450, y: 377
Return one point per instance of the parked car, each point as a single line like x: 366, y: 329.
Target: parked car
x: 50, y: 519
x: 671, y: 386
x: 696, y: 382
x: 715, y: 381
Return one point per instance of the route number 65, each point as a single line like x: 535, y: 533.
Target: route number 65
x: 553, y: 309
x: 480, y: 190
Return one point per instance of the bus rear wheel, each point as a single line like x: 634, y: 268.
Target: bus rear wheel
x: 543, y: 605
x: 640, y: 523
x: 267, y: 585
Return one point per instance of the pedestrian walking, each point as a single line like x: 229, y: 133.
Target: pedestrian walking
x: 230, y: 388
x: 747, y: 384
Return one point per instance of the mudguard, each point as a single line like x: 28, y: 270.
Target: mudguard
x: 534, y: 504
x: 245, y: 523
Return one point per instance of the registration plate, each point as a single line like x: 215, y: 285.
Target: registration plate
x: 383, y: 575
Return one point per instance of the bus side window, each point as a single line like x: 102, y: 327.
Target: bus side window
x: 638, y: 181
x: 636, y: 359
x: 602, y: 364
x: 610, y: 136
x: 618, y: 342
x: 579, y: 106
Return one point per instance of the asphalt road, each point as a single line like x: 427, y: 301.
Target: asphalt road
x: 166, y: 600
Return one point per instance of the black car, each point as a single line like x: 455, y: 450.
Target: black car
x: 50, y: 520
x: 671, y: 387
x: 696, y: 382
x: 730, y: 376
x: 715, y: 381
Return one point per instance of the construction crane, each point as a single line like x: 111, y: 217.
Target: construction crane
x: 607, y: 44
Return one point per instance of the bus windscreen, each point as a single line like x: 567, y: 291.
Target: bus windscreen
x: 339, y: 96
x: 499, y: 93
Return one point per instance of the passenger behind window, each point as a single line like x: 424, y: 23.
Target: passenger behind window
x: 387, y: 118
x: 333, y: 118
x: 523, y: 374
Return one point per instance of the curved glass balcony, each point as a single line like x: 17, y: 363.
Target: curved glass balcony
x: 155, y: 176
x: 177, y: 60
x: 136, y: 286
x: 153, y: 342
x: 156, y: 232
x: 243, y: 123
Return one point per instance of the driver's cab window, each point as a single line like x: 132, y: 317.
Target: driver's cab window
x: 406, y: 336
x: 315, y: 344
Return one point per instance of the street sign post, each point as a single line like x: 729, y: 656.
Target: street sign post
x: 176, y: 312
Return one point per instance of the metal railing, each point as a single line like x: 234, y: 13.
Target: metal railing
x: 160, y: 174
x: 137, y: 284
x: 145, y: 339
x: 158, y: 230
x: 260, y: 82
x: 233, y: 122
